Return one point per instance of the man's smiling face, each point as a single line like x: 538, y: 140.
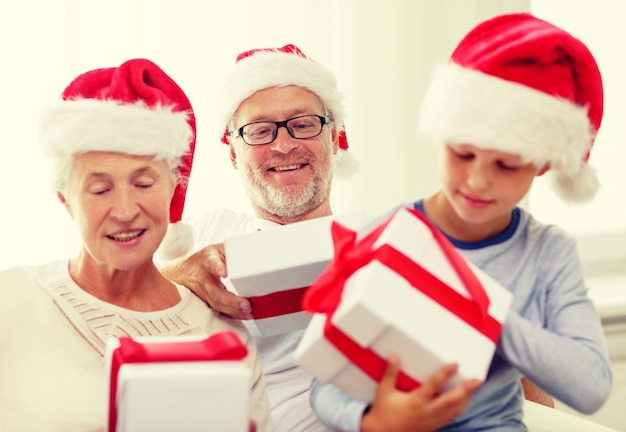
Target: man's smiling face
x: 287, y: 178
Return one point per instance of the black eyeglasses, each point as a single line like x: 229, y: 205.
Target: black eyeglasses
x: 265, y: 132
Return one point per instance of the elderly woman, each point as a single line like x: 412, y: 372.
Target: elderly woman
x: 122, y: 141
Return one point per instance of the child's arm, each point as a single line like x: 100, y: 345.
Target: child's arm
x: 567, y: 357
x: 335, y: 409
x: 423, y: 409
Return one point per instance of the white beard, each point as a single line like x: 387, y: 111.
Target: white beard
x: 287, y: 202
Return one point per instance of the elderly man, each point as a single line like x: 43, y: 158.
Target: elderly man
x: 284, y: 124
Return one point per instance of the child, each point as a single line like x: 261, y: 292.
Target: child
x: 518, y: 98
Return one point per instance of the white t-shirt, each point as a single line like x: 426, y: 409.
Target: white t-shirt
x: 287, y: 384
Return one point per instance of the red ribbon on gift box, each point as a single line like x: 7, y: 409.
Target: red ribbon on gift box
x: 324, y: 295
x: 277, y: 303
x: 222, y: 346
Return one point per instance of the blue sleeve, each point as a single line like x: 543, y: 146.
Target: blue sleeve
x: 334, y: 408
x: 565, y: 355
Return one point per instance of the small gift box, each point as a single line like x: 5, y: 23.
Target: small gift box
x: 183, y: 384
x: 404, y: 290
x: 273, y: 268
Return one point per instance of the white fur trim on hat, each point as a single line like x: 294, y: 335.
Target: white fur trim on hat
x: 466, y: 106
x: 266, y: 69
x: 345, y: 165
x: 81, y: 125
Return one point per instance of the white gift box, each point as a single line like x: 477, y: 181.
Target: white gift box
x: 273, y: 268
x: 182, y: 396
x: 381, y: 312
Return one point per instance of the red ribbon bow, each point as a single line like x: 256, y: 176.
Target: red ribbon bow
x: 224, y: 345
x: 325, y: 293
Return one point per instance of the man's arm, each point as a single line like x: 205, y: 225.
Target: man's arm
x: 202, y: 273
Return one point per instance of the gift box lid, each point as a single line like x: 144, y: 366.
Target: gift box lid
x: 265, y: 261
x: 165, y: 354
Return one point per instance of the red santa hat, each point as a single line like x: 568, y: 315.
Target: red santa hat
x: 518, y: 84
x: 137, y: 109
x: 262, y: 68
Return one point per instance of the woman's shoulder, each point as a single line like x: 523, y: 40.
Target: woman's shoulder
x: 15, y: 273
x: 23, y: 286
x: 15, y: 283
x: 33, y: 274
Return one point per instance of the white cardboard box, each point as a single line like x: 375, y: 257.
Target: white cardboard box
x: 381, y: 311
x: 182, y: 396
x: 286, y: 259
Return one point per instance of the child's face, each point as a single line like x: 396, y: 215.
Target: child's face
x: 483, y: 186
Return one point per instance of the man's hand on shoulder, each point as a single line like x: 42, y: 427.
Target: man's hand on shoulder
x: 202, y: 273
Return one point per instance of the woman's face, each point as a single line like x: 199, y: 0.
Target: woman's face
x: 121, y: 206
